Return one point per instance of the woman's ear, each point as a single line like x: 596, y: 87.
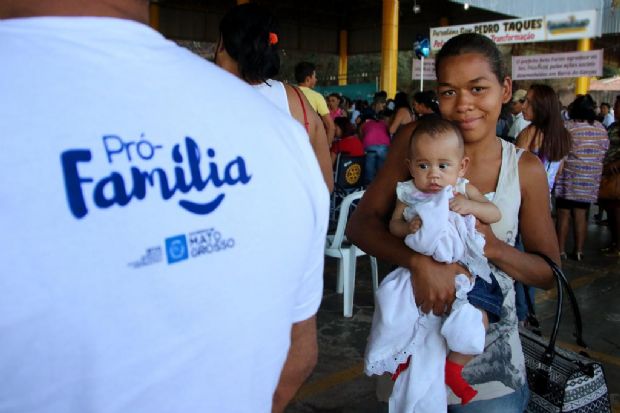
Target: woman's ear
x: 506, y: 89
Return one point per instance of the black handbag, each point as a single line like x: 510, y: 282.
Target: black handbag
x: 561, y: 380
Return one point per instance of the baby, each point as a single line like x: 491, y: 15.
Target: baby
x: 436, y: 214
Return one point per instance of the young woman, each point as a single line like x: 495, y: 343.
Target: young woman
x: 577, y: 185
x: 248, y: 48
x: 472, y: 86
x: 546, y: 135
x: 334, y: 102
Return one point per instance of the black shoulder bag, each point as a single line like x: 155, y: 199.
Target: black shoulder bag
x: 561, y: 380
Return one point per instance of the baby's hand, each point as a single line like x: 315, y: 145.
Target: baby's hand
x: 415, y: 224
x: 460, y: 204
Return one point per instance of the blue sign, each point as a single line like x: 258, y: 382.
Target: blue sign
x: 421, y: 47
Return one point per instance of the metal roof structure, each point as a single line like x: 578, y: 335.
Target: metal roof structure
x: 314, y: 25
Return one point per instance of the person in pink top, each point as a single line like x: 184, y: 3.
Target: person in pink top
x: 334, y: 101
x: 376, y: 139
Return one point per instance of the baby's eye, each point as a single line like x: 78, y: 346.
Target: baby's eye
x: 422, y: 166
x: 443, y: 165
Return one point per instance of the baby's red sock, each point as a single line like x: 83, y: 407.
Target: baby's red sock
x: 457, y: 383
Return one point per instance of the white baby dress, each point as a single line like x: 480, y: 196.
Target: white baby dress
x: 399, y: 330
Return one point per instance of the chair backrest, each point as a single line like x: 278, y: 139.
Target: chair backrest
x: 343, y: 217
x: 349, y: 172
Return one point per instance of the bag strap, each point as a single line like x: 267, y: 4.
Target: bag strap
x: 561, y: 286
x: 303, y: 108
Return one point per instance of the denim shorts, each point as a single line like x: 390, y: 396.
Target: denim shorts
x: 488, y: 297
x: 515, y: 402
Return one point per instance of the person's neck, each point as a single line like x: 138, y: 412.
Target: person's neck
x: 125, y: 9
x: 305, y: 84
x: 483, y: 150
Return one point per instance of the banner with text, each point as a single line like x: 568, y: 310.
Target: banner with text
x: 429, y: 69
x: 558, y: 65
x: 561, y: 26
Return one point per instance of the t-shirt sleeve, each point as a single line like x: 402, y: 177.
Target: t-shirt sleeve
x: 310, y: 290
x: 321, y: 105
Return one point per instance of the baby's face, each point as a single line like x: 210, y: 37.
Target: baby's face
x: 435, y: 162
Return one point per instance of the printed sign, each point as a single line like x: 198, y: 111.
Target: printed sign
x: 558, y: 65
x: 562, y: 26
x: 429, y: 69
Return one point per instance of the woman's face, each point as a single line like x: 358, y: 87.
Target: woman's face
x: 332, y: 102
x: 471, y: 95
x: 528, y: 108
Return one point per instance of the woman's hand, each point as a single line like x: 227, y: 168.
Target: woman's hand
x: 491, y: 243
x: 433, y: 284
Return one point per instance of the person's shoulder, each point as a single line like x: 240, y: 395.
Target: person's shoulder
x: 531, y: 167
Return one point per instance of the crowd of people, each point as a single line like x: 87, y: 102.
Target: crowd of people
x: 573, y: 143
x: 166, y: 253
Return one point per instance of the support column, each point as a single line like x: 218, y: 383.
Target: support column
x: 389, y: 47
x: 583, y: 83
x: 343, y: 45
x: 154, y: 16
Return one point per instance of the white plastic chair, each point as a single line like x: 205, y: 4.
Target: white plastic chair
x: 339, y: 247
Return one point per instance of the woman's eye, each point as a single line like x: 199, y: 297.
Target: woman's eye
x: 447, y: 93
x: 477, y: 89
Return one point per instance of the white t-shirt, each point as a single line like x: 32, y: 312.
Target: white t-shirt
x: 151, y: 259
x: 518, y: 124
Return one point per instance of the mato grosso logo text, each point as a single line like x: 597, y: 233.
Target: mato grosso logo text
x: 192, y: 172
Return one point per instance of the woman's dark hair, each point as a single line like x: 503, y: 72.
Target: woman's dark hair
x: 583, y: 109
x: 246, y: 34
x: 337, y: 96
x: 556, y: 142
x: 472, y: 43
x: 427, y: 98
x: 401, y: 100
x: 345, y: 126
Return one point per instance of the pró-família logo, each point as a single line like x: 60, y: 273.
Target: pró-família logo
x: 117, y: 189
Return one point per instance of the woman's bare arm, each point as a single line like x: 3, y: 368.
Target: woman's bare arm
x: 316, y: 132
x: 535, y: 226
x: 524, y: 140
x: 400, y: 118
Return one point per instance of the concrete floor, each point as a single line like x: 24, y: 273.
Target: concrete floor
x: 338, y: 384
